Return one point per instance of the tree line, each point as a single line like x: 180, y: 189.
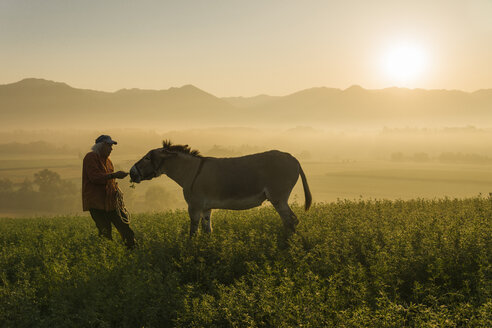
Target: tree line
x: 447, y: 157
x: 46, y: 192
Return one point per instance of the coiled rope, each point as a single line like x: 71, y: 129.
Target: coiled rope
x: 120, y: 206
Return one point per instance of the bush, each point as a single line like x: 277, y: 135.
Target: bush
x: 417, y: 263
x: 48, y: 192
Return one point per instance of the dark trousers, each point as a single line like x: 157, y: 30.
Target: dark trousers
x: 103, y: 220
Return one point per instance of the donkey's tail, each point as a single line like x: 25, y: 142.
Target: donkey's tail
x: 307, y: 193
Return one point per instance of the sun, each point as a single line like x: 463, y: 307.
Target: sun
x: 404, y: 64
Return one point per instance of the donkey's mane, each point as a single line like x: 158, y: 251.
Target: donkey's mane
x: 185, y: 149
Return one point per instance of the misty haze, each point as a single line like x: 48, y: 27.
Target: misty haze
x: 355, y: 143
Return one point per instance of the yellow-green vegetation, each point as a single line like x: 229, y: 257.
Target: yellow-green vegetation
x: 415, y: 263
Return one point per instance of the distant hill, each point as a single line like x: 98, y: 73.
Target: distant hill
x: 38, y: 102
x: 247, y: 102
x: 359, y: 106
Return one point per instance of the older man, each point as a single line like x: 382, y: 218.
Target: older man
x: 100, y: 191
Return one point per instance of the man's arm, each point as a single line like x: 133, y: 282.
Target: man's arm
x: 95, y: 173
x: 115, y: 175
x: 118, y: 175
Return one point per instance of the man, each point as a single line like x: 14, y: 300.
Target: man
x: 100, y: 191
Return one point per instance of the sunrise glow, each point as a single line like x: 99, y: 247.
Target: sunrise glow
x: 405, y: 64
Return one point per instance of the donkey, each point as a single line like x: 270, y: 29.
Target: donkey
x: 235, y: 183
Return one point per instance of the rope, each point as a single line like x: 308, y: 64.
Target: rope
x: 120, y: 206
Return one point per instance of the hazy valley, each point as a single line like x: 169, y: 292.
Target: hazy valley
x: 38, y: 103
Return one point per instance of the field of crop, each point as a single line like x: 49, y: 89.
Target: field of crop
x: 415, y: 263
x: 329, y: 181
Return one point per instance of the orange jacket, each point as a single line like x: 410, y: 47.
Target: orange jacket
x: 98, y: 192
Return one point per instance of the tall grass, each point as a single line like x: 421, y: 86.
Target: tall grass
x: 418, y: 263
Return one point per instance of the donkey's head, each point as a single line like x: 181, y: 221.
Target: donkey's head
x: 151, y: 165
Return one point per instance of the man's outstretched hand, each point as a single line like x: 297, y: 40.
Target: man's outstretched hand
x: 120, y: 174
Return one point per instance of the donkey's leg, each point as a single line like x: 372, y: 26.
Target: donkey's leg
x: 207, y: 221
x: 195, y: 214
x: 289, y: 219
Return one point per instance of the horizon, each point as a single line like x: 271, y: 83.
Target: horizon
x: 248, y: 49
x: 241, y: 96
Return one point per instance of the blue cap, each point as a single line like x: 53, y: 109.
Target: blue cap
x: 105, y: 138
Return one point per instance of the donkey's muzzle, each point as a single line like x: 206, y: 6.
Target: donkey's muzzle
x: 135, y: 175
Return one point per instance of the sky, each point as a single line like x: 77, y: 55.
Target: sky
x: 247, y: 48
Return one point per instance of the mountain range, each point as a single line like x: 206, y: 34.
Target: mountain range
x: 41, y: 103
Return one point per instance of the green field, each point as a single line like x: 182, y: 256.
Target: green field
x: 415, y: 263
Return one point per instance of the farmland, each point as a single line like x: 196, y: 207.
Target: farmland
x: 352, y: 263
x: 328, y: 180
